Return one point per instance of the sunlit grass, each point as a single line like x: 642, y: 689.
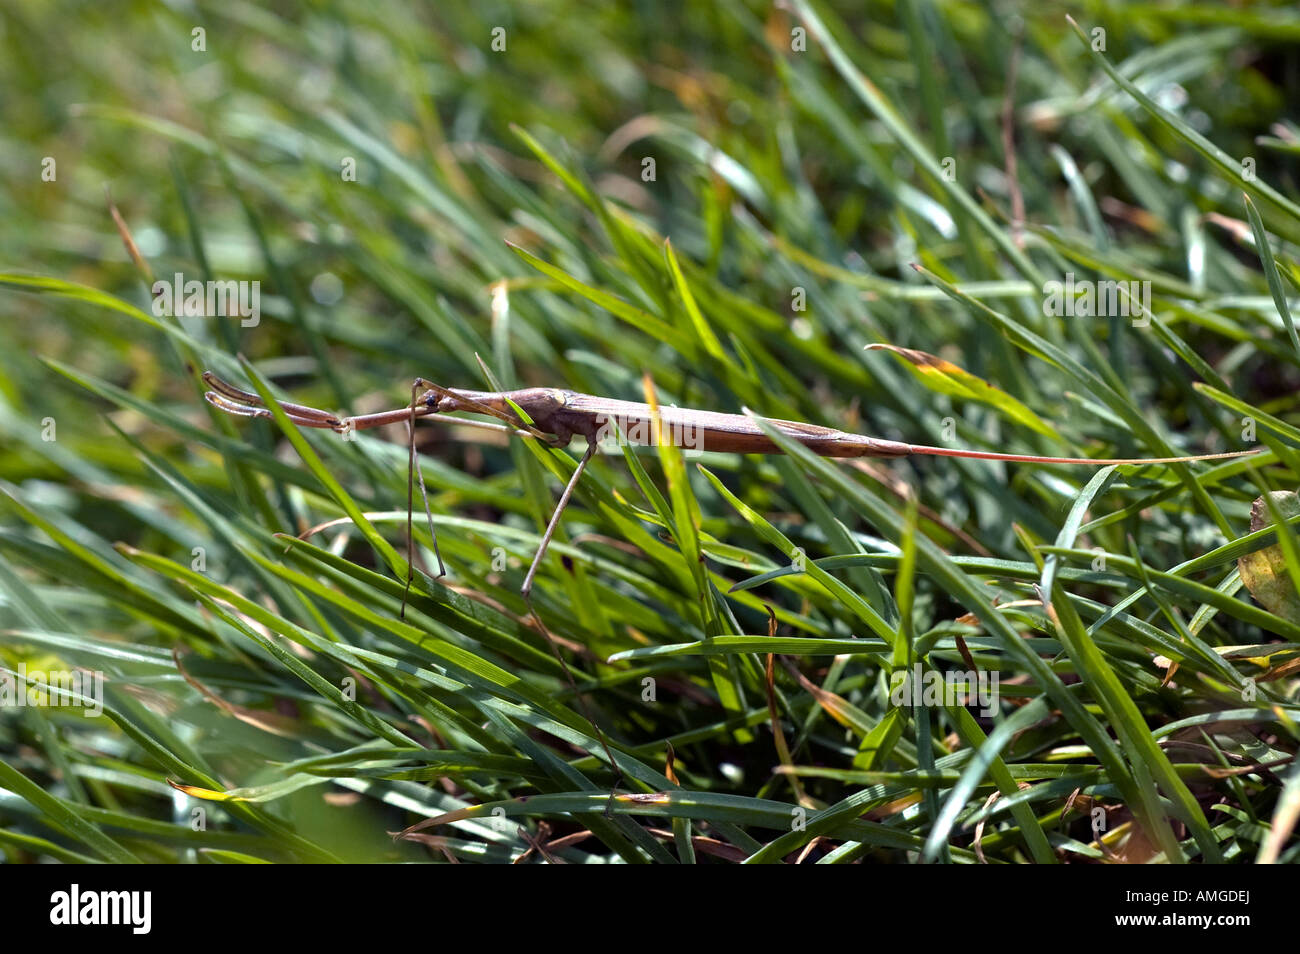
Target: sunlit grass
x: 738, y: 209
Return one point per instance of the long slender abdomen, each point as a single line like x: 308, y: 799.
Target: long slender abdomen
x: 724, y: 433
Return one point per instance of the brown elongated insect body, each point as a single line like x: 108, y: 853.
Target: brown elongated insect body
x: 569, y: 412
x: 560, y: 414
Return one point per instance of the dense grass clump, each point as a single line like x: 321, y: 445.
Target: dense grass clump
x: 1075, y: 240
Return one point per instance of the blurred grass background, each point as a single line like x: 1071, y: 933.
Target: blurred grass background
x: 804, y: 159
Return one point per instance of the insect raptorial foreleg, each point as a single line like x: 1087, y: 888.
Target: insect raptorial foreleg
x: 233, y: 400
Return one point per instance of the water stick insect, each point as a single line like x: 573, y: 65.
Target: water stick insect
x: 558, y: 415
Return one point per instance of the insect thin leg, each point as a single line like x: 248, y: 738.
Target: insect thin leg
x: 555, y: 518
x: 413, y: 473
x: 526, y: 591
